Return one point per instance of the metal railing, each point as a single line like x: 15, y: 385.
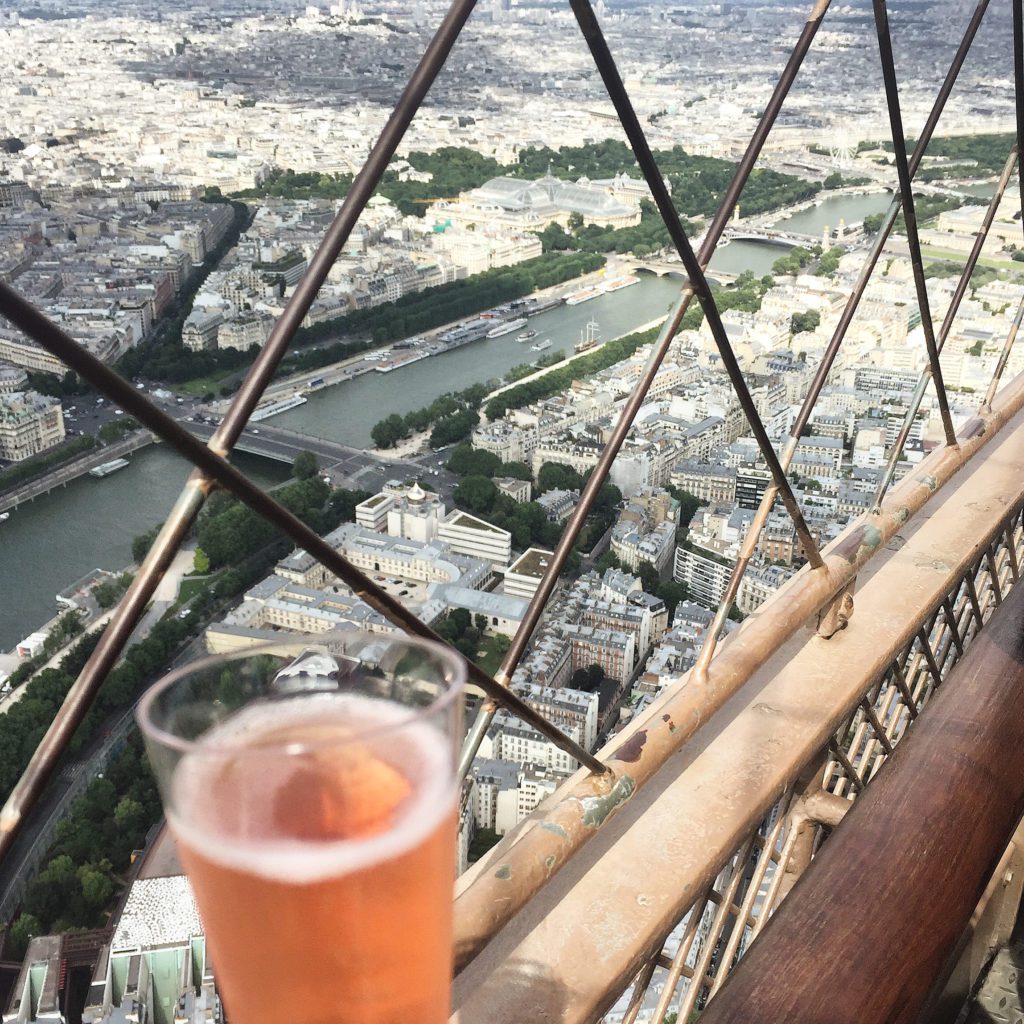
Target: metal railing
x: 590, y: 799
x: 752, y: 882
x: 943, y: 817
x: 622, y: 900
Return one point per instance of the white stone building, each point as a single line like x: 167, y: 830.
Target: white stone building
x: 29, y: 423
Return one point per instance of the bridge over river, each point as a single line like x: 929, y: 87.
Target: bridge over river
x: 667, y: 268
x: 61, y: 476
x: 283, y: 445
x: 346, y: 465
x: 772, y: 236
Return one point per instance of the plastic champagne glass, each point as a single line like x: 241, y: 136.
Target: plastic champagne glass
x: 311, y: 787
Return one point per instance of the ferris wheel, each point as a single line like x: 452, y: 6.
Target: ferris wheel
x: 841, y: 148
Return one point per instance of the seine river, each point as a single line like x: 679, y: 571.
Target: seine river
x: 48, y: 544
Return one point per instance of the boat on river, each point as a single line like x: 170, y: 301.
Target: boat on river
x: 108, y: 467
x: 618, y: 283
x: 584, y: 295
x: 506, y: 328
x: 589, y: 340
x: 264, y: 412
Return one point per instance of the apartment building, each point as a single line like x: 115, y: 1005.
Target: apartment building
x: 706, y: 575
x: 199, y: 332
x: 707, y: 482
x: 245, y: 331
x: 568, y: 709
x: 29, y: 423
x: 613, y: 651
x: 511, y: 740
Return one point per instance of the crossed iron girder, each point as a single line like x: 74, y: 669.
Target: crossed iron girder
x: 212, y: 468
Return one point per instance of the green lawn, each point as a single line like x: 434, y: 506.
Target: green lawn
x: 933, y: 252
x: 190, y: 587
x: 490, y: 658
x: 199, y: 386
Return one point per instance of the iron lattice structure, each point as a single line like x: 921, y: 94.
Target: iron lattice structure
x: 746, y: 885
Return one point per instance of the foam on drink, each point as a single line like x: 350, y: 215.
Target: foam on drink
x: 312, y: 788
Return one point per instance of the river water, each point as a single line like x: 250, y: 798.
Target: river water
x: 829, y: 212
x: 347, y: 412
x: 48, y: 544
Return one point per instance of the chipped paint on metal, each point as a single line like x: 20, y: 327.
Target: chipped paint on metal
x: 901, y: 514
x: 596, y: 809
x: 504, y: 873
x: 929, y: 481
x: 863, y: 536
x: 549, y: 861
x: 671, y: 724
x: 631, y: 750
x: 553, y: 826
x: 974, y: 427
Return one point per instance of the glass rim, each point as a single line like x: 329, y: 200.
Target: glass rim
x: 455, y: 678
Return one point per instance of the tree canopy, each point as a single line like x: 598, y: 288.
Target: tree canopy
x: 229, y: 531
x: 553, y: 476
x: 800, y: 323
x: 475, y: 494
x: 305, y: 466
x: 697, y: 182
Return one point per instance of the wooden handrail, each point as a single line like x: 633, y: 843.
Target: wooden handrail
x: 870, y: 931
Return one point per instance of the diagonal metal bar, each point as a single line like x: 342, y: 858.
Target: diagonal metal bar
x: 636, y: 999
x: 851, y: 773
x: 889, y: 221
x: 658, y: 351
x: 753, y: 149
x: 954, y: 306
x: 929, y: 656
x: 363, y: 187
x: 954, y: 630
x: 964, y: 613
x: 1011, y: 554
x: 832, y: 349
x: 698, y: 281
x: 901, y: 684
x: 1018, y: 93
x: 1004, y: 357
x: 215, y: 468
x: 899, y: 147
x: 876, y: 725
x: 972, y: 596
x: 979, y: 243
x: 993, y: 575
